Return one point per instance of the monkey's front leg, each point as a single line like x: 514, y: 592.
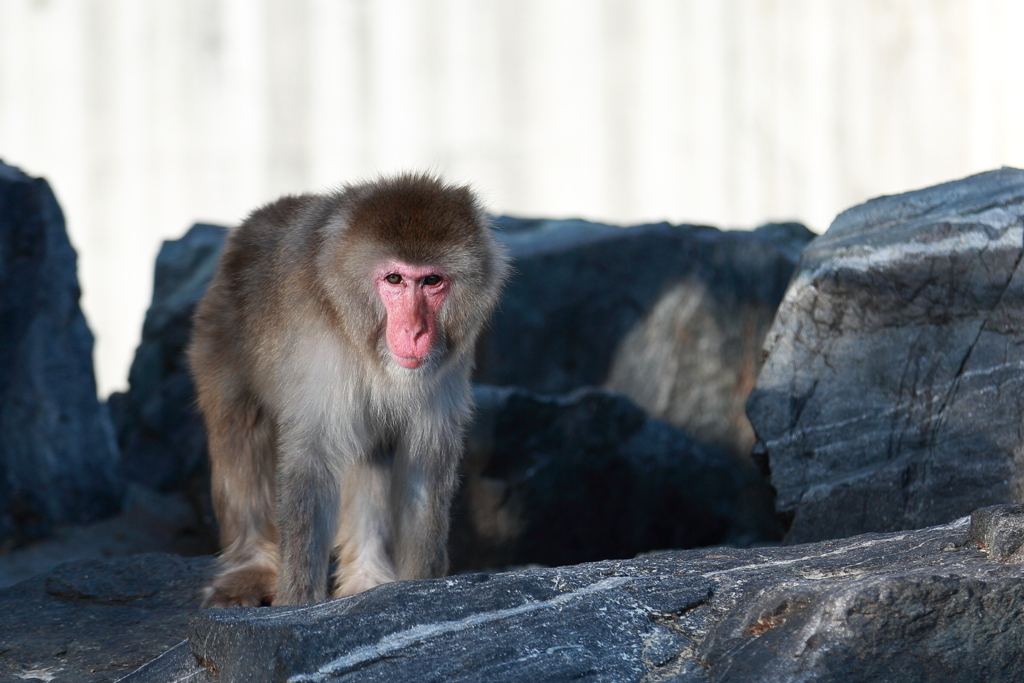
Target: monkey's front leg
x: 422, y: 487
x: 308, y: 495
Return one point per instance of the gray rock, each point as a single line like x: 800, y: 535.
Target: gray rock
x: 672, y: 316
x: 891, y: 397
x: 177, y: 664
x: 546, y: 480
x: 163, y: 441
x: 58, y: 458
x: 161, y: 435
x: 925, y: 605
x: 999, y: 530
x: 559, y: 480
x: 97, y: 620
x: 149, y: 522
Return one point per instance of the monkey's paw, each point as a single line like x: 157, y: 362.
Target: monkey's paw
x: 252, y: 587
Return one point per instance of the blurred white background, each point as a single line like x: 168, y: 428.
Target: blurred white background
x: 149, y: 115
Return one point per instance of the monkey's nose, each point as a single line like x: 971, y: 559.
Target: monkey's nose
x: 410, y: 334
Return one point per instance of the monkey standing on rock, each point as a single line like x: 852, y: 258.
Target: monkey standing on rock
x: 331, y: 356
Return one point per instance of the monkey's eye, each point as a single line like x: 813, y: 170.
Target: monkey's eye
x: 432, y: 280
x: 394, y: 278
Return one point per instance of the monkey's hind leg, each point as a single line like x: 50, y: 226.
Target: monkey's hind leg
x: 364, y: 533
x: 242, y: 459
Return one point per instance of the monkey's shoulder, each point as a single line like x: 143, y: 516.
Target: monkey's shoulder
x: 272, y: 238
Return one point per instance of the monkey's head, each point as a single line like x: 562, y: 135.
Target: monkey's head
x: 415, y: 257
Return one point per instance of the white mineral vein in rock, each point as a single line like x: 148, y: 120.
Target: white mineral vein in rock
x: 395, y: 642
x: 992, y: 369
x: 862, y: 258
x: 173, y: 652
x: 962, y: 522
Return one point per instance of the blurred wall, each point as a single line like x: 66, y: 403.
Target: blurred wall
x: 147, y: 115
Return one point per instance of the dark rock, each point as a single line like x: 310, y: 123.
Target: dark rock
x: 912, y: 606
x: 162, y: 439
x: 589, y: 476
x: 580, y: 292
x: 672, y: 316
x: 892, y: 395
x: 58, y: 458
x: 999, y: 531
x: 96, y: 620
x: 177, y: 664
x: 148, y: 522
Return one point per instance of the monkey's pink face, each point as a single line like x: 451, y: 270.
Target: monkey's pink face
x: 412, y: 297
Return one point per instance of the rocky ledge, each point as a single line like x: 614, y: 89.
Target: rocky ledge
x: 97, y: 620
x: 891, y: 394
x: 944, y: 603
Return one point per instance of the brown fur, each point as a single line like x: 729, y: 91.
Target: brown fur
x: 319, y: 444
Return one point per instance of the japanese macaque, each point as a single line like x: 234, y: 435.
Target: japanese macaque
x: 331, y: 356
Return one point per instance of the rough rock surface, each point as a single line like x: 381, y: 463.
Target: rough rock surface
x: 58, y: 458
x: 558, y: 480
x: 893, y: 392
x: 672, y: 316
x: 513, y: 508
x: 162, y: 440
x: 93, y: 621
x: 927, y: 605
x: 546, y: 480
x: 149, y: 522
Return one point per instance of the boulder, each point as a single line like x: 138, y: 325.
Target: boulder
x: 163, y: 443
x: 671, y: 316
x: 559, y: 480
x: 94, y: 621
x: 550, y: 480
x: 149, y: 522
x: 58, y: 457
x: 891, y: 397
x: 926, y: 605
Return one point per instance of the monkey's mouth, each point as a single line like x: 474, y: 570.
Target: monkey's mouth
x: 410, y: 362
